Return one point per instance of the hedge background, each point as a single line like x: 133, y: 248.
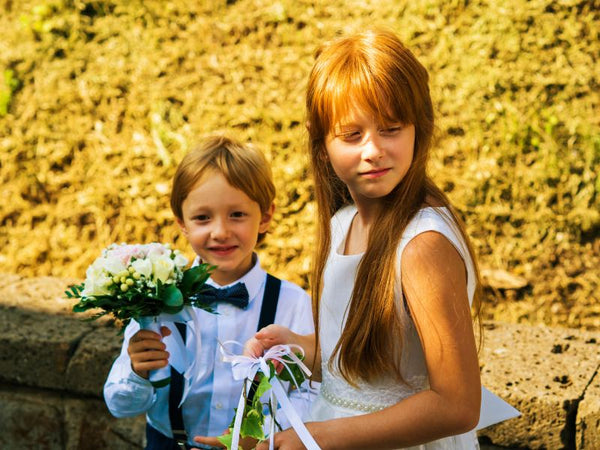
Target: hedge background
x: 99, y: 100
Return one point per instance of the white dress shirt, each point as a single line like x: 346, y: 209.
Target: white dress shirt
x: 209, y: 407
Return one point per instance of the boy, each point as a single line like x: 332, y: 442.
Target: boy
x: 222, y: 199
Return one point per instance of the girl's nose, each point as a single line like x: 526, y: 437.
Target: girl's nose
x: 372, y: 150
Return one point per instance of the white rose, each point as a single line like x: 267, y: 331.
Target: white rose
x: 163, y: 268
x: 180, y: 260
x: 155, y: 250
x: 96, y: 281
x: 113, y: 265
x: 143, y: 267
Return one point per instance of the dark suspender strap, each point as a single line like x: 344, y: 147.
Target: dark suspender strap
x: 267, y: 315
x: 175, y: 394
x: 270, y: 299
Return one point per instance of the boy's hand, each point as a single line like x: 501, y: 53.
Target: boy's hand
x: 147, y: 351
x: 245, y: 443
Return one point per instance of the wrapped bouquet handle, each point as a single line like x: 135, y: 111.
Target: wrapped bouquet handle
x: 246, y: 368
x: 191, y: 370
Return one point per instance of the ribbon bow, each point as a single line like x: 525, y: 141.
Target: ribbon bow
x: 237, y: 295
x: 246, y: 367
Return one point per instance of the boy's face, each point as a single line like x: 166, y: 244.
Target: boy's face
x: 222, y: 225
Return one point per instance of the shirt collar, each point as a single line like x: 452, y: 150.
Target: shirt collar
x: 253, y: 279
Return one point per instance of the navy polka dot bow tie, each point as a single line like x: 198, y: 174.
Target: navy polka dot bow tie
x: 237, y: 295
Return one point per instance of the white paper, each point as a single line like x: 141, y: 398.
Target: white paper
x: 494, y: 410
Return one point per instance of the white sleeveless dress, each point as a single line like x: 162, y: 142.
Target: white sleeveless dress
x: 339, y: 399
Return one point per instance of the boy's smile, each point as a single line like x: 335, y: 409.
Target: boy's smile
x: 222, y: 225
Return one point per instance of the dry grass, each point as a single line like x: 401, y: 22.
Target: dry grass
x: 111, y: 94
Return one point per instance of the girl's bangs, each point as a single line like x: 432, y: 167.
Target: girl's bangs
x: 360, y: 89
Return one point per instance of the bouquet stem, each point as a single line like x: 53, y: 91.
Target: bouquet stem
x: 159, y: 377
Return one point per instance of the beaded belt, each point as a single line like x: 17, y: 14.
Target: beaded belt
x: 350, y: 404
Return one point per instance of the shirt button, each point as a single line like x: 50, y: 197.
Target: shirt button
x: 219, y: 405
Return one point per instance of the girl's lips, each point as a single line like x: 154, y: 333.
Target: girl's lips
x: 375, y: 173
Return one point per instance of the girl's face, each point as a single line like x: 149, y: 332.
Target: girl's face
x: 222, y: 225
x: 370, y: 159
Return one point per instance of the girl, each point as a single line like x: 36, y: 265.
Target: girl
x: 393, y: 276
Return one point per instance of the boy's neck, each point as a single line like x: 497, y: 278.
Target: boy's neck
x: 223, y: 280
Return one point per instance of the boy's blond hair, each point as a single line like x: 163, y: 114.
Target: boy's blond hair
x: 243, y: 166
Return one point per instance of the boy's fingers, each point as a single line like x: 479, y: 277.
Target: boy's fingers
x: 143, y: 335
x: 208, y: 440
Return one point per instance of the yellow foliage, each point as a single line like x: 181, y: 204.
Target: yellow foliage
x: 112, y: 93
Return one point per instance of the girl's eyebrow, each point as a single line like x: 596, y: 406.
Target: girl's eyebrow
x: 344, y: 126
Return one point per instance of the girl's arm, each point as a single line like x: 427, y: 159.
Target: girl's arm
x: 276, y: 334
x: 434, y: 281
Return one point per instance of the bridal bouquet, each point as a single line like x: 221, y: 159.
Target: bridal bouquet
x: 144, y: 282
x: 260, y: 377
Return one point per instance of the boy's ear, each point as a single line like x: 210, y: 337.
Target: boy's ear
x: 265, y: 220
x: 182, y: 226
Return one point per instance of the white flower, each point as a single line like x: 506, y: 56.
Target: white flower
x: 180, y: 261
x: 113, y: 265
x: 163, y: 268
x: 155, y: 249
x: 97, y: 280
x: 143, y: 267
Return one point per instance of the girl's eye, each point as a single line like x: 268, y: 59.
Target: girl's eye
x: 349, y: 136
x: 390, y: 131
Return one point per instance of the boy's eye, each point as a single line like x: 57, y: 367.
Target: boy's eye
x: 238, y: 214
x: 201, y: 218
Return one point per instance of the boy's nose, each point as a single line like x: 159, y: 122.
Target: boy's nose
x: 219, y: 230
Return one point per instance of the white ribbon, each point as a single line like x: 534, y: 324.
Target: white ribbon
x: 246, y: 367
x: 177, y: 349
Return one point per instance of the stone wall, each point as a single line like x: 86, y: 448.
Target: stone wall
x: 53, y: 365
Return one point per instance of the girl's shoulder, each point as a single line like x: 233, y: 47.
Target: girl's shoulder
x: 340, y: 222
x: 439, y: 220
x: 344, y: 214
x: 431, y: 218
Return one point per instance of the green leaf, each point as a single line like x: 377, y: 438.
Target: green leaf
x: 299, y: 376
x: 252, y: 425
x: 263, y: 386
x: 194, y: 278
x: 226, y: 439
x: 172, y: 296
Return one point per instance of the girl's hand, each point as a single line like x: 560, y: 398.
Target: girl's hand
x: 267, y: 337
x: 289, y: 440
x: 147, y: 351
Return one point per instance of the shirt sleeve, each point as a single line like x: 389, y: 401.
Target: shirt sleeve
x: 126, y: 393
x: 298, y: 312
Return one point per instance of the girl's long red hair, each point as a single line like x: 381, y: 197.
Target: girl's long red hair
x: 375, y: 72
